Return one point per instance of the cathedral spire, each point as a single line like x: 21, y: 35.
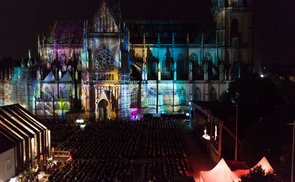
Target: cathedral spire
x: 22, y: 63
x: 29, y: 64
x: 39, y: 47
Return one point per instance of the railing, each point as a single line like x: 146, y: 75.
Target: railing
x: 62, y: 154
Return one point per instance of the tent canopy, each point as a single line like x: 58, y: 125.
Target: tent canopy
x: 220, y: 173
x: 263, y: 163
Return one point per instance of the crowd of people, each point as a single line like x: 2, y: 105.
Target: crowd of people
x: 60, y: 131
x: 105, y: 170
x: 164, y: 140
x: 163, y: 169
x: 119, y: 140
x: 104, y: 152
x: 166, y: 151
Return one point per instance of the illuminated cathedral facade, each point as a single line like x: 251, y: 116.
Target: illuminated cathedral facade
x: 109, y: 68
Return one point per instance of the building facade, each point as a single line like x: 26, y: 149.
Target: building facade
x: 111, y: 68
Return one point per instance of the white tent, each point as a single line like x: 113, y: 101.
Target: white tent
x: 220, y: 173
x: 263, y: 163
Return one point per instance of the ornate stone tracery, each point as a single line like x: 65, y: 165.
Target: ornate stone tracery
x: 104, y: 59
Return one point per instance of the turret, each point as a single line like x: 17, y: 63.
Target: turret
x: 29, y: 64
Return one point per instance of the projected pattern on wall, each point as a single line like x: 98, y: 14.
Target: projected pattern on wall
x: 109, y: 68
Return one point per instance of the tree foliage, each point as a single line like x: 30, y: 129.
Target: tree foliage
x: 258, y: 94
x: 258, y: 175
x: 264, y: 138
x: 265, y: 105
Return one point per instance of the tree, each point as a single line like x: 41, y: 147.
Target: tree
x: 262, y: 129
x: 264, y: 138
x: 259, y: 94
x: 256, y: 97
x: 258, y: 175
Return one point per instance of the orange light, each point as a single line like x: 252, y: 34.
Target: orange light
x: 52, y: 149
x: 41, y: 157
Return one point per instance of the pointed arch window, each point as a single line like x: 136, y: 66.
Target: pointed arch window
x: 155, y: 67
x: 47, y: 94
x: 180, y: 59
x: 134, y: 98
x: 213, y: 94
x: 196, y: 67
x: 182, y: 67
x: 197, y: 94
x: 152, y: 96
x: 64, y: 92
x: 39, y: 106
x: 235, y: 28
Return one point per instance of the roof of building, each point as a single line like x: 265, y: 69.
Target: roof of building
x: 16, y: 123
x: 221, y: 110
x: 71, y: 32
x: 65, y: 32
x: 193, y: 32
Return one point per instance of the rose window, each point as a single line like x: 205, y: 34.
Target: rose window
x: 104, y: 60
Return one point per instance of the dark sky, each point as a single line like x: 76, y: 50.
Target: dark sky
x: 22, y: 20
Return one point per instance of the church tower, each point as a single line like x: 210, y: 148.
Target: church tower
x: 234, y: 34
x: 102, y: 63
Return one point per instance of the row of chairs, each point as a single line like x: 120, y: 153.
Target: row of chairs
x: 94, y: 170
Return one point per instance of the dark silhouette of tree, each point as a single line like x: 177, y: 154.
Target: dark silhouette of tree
x: 259, y: 94
x: 266, y: 138
x: 264, y: 107
x: 258, y: 175
x: 256, y: 97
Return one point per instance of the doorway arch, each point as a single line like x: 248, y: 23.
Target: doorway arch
x: 103, y: 110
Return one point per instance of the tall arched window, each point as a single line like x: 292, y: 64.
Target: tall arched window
x: 182, y: 67
x: 152, y: 96
x: 197, y: 94
x: 155, y: 67
x: 47, y: 94
x: 235, y: 29
x: 134, y: 98
x: 163, y: 63
x: 196, y: 67
x: 213, y: 94
x: 209, y: 59
x: 64, y: 92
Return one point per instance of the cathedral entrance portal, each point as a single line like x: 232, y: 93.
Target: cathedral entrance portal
x: 103, y: 110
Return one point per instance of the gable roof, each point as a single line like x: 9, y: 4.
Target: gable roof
x: 106, y: 18
x: 64, y: 32
x: 167, y: 29
x: 49, y: 77
x: 66, y: 77
x: 17, y: 124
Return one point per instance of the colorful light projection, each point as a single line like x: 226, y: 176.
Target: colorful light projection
x: 103, y: 71
x: 57, y: 99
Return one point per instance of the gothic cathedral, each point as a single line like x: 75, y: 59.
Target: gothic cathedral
x: 109, y: 68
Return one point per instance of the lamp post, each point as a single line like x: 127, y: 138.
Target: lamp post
x: 236, y: 141
x: 292, y: 167
x: 173, y: 70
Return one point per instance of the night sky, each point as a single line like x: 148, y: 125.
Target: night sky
x: 22, y: 20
